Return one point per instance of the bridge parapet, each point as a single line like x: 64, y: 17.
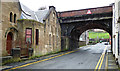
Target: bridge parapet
x: 85, y: 14
x: 105, y: 9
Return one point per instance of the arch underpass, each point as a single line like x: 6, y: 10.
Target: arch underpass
x: 74, y: 23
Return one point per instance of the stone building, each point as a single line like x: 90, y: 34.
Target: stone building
x: 52, y: 29
x: 10, y: 13
x: 31, y: 36
x: 0, y: 29
x: 49, y: 32
x: 24, y: 29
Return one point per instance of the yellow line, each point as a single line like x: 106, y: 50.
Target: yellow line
x: 101, y: 62
x: 98, y: 63
x: 102, y: 59
x: 39, y: 61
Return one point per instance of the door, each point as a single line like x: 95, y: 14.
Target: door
x: 9, y: 42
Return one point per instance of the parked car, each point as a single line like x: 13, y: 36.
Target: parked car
x: 106, y: 43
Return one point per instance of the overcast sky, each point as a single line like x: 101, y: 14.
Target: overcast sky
x: 65, y: 5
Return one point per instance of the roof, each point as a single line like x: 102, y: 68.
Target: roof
x: 41, y: 15
x: 27, y: 13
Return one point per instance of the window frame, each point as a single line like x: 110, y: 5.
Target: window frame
x: 28, y: 34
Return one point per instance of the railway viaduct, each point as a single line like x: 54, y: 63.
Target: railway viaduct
x: 74, y: 23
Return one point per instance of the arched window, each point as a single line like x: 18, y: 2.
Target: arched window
x: 11, y: 16
x: 14, y: 18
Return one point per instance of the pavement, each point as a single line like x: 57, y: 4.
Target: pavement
x: 119, y: 60
x: 111, y: 64
x: 87, y: 58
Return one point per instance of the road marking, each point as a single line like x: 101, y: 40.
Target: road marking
x: 100, y: 62
x: 40, y: 61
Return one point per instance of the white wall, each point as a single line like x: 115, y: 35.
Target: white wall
x: 84, y: 37
x: 115, y: 29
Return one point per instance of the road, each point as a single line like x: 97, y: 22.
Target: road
x: 86, y: 57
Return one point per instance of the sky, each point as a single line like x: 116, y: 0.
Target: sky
x: 65, y: 5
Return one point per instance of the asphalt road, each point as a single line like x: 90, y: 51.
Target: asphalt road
x: 85, y: 57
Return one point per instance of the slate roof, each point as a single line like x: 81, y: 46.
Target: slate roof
x: 29, y: 14
x: 41, y: 14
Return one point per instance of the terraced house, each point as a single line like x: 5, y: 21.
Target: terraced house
x: 26, y: 32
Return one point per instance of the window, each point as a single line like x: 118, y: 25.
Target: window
x: 53, y: 41
x: 37, y: 36
x: 14, y: 18
x: 49, y: 39
x: 53, y: 15
x: 28, y: 36
x: 11, y: 16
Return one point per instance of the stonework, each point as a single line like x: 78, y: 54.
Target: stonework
x: 0, y: 29
x: 7, y: 26
x: 52, y: 32
x: 22, y: 26
x: 43, y: 38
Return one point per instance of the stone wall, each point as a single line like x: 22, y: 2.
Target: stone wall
x: 23, y: 24
x: 7, y: 26
x: 52, y: 32
x: 44, y: 45
x: 82, y: 43
x: 0, y: 29
x: 49, y: 31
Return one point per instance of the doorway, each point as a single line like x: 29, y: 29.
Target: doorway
x: 9, y: 42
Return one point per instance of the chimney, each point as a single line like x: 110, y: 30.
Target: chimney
x: 51, y: 7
